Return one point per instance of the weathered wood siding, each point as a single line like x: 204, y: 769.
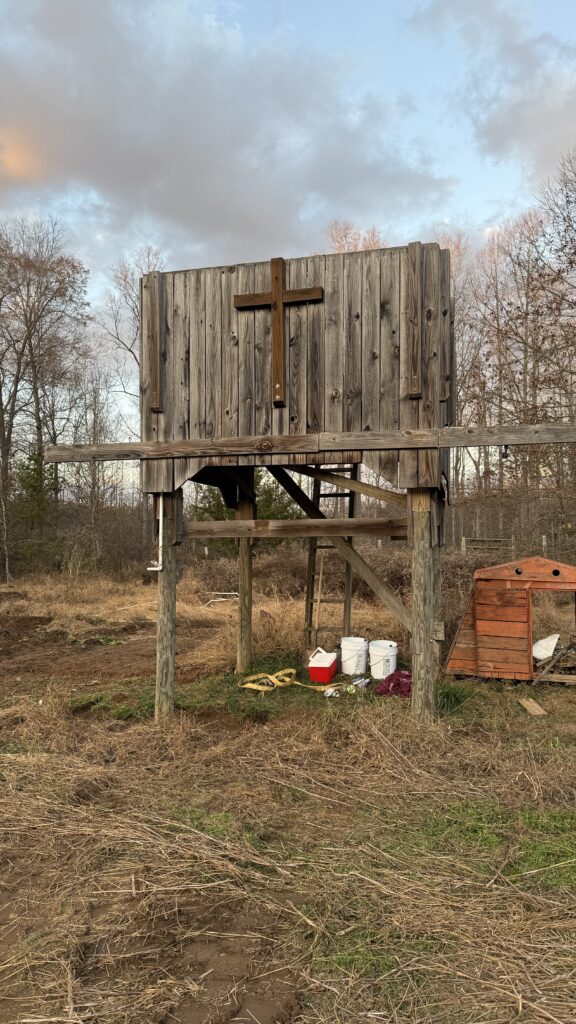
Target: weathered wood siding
x: 376, y: 354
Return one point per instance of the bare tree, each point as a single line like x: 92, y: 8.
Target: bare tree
x: 42, y: 315
x: 121, y: 317
x: 347, y: 237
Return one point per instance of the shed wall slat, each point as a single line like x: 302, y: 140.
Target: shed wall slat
x: 353, y: 342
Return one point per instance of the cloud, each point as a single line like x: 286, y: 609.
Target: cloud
x: 160, y: 113
x: 520, y: 95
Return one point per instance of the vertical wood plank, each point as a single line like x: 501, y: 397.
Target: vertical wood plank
x: 389, y: 355
x: 229, y: 358
x: 155, y: 323
x: 410, y: 350
x: 371, y: 363
x: 155, y: 474
x: 298, y: 318
x: 245, y: 332
x: 280, y: 272
x: 429, y: 402
x: 181, y: 363
x: 262, y: 359
x: 333, y: 346
x: 445, y: 360
x: 278, y: 317
x: 353, y: 341
x: 315, y: 270
x: 213, y: 373
x: 197, y: 327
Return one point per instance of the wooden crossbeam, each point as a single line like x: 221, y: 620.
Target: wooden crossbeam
x: 447, y: 437
x: 230, y: 528
x: 359, y: 566
x: 282, y: 444
x: 370, y: 490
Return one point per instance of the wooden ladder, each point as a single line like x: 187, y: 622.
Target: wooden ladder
x: 317, y: 550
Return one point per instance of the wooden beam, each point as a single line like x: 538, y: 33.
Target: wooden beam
x: 425, y: 595
x: 292, y: 297
x: 166, y: 627
x: 370, y: 490
x: 244, y: 516
x: 279, y: 444
x: 262, y: 528
x: 359, y: 566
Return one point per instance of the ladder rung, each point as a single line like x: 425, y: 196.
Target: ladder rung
x: 329, y: 600
x: 325, y: 547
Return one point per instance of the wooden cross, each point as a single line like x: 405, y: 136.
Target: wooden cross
x: 277, y: 298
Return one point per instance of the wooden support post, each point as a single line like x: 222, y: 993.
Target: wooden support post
x: 425, y: 595
x: 166, y: 626
x: 246, y: 510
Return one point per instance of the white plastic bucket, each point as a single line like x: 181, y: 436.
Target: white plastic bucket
x: 383, y: 658
x: 354, y: 654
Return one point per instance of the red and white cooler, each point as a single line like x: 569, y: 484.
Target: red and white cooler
x: 322, y: 666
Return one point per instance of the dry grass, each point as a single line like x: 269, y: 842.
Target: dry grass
x: 394, y: 874
x: 347, y: 866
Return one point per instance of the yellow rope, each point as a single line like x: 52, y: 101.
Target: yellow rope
x: 266, y: 682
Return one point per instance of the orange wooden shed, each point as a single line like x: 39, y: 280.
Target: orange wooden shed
x: 494, y: 639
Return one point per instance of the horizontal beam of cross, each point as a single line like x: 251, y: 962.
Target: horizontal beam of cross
x: 388, y: 440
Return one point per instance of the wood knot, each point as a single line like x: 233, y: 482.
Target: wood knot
x: 265, y: 446
x: 335, y: 395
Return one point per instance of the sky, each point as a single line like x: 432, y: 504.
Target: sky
x: 234, y: 130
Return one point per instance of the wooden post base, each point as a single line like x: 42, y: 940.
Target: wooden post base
x: 425, y: 595
x: 246, y: 510
x: 166, y: 625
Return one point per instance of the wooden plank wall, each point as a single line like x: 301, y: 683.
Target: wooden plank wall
x: 494, y: 639
x: 376, y: 354
x: 503, y: 631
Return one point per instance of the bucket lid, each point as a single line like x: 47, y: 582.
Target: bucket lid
x: 383, y: 645
x: 354, y: 641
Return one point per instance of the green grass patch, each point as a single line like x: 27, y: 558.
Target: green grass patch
x: 450, y: 697
x: 536, y: 846
x: 464, y: 827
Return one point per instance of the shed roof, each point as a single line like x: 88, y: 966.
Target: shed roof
x: 536, y: 569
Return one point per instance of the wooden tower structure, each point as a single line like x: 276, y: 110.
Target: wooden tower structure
x: 305, y: 365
